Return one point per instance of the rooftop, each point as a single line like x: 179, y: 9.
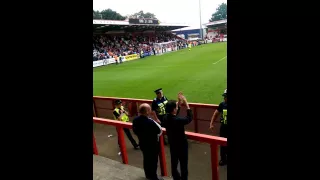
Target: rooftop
x: 101, y: 26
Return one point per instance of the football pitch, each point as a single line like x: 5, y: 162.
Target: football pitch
x: 201, y: 74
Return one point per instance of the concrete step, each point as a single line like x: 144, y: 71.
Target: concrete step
x: 107, y: 169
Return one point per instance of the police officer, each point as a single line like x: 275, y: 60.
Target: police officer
x: 148, y: 131
x: 222, y: 112
x: 159, y: 106
x: 177, y: 137
x: 120, y: 114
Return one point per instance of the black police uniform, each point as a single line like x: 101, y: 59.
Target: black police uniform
x: 178, y: 143
x: 159, y: 109
x: 223, y: 128
x: 159, y: 106
x: 148, y: 133
x: 127, y: 132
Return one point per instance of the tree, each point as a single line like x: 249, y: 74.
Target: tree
x: 141, y: 14
x: 108, y: 14
x: 96, y: 15
x: 221, y: 13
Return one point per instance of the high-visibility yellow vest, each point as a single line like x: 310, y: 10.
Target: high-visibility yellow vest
x: 124, y: 117
x: 224, y: 116
x: 162, y: 107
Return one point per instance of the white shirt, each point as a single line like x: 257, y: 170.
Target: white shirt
x: 158, y: 127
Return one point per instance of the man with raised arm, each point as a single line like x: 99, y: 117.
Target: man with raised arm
x: 177, y: 137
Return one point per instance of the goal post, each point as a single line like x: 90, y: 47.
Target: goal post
x: 165, y: 47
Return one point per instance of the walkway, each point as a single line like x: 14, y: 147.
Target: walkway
x: 199, y: 154
x: 107, y: 169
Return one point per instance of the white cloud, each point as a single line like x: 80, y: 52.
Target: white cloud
x: 170, y: 11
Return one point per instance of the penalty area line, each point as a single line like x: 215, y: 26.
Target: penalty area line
x: 219, y: 60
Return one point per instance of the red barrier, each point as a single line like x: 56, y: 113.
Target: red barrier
x: 214, y: 161
x: 212, y: 140
x: 95, y: 148
x: 202, y: 113
x: 122, y: 145
x: 162, y: 157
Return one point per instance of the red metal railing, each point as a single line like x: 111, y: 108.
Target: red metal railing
x: 202, y: 113
x: 212, y: 140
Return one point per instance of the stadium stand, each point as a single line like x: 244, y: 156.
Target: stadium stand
x: 217, y: 30
x: 105, y: 46
x: 114, y: 38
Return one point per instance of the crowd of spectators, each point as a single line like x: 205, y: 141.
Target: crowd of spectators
x: 108, y: 46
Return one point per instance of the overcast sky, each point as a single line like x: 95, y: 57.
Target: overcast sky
x: 169, y: 11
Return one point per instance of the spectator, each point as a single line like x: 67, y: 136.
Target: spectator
x: 148, y: 131
x: 177, y: 138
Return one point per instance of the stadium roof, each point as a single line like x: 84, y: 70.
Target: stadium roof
x: 102, y: 26
x: 189, y: 28
x: 224, y: 21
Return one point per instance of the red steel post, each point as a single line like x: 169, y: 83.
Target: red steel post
x: 214, y: 161
x: 122, y: 144
x: 95, y: 149
x: 162, y: 157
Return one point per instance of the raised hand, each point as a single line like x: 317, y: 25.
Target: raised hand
x: 180, y: 97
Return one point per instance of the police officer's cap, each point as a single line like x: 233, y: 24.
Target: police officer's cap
x: 158, y: 90
x: 118, y: 101
x: 224, y: 93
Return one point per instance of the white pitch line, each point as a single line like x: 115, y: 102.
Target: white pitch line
x: 164, y: 66
x: 219, y: 60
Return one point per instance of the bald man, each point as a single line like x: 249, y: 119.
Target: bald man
x: 148, y: 131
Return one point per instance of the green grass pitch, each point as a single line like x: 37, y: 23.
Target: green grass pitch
x: 201, y: 74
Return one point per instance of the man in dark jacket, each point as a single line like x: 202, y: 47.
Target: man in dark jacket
x: 222, y: 112
x: 148, y: 132
x: 177, y: 137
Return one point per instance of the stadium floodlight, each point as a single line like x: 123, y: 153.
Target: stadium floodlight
x: 200, y: 20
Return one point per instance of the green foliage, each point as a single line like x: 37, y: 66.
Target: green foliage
x: 107, y: 14
x: 141, y: 14
x: 221, y: 13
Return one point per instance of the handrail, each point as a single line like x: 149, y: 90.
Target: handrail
x: 214, y: 142
x: 150, y: 101
x: 133, y: 105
